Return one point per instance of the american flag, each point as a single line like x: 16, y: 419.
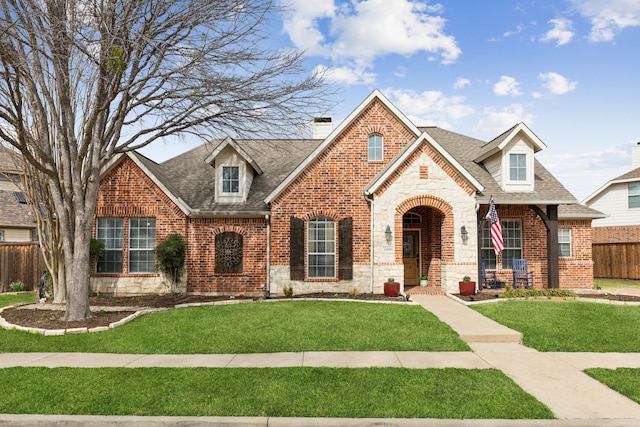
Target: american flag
x: 496, y: 229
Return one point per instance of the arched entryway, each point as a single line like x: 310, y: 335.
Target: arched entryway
x: 427, y: 239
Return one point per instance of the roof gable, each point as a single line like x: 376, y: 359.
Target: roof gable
x: 147, y: 166
x: 502, y: 141
x: 631, y: 176
x: 425, y: 138
x: 230, y: 142
x: 375, y: 95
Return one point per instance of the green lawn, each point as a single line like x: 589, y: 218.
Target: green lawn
x: 11, y: 299
x: 570, y: 325
x: 617, y: 284
x: 279, y: 392
x: 287, y: 326
x: 626, y: 381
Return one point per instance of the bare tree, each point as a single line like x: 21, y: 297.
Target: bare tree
x: 34, y: 185
x: 82, y: 81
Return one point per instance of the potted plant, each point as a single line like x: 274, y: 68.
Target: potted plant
x: 423, y: 280
x: 467, y: 287
x: 391, y: 288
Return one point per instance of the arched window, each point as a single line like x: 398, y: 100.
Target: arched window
x: 321, y: 247
x: 375, y: 147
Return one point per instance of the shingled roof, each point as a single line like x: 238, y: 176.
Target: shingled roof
x: 191, y: 179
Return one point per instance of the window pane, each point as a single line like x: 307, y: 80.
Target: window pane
x: 110, y: 232
x: 375, y: 147
x: 564, y: 242
x: 486, y: 247
x: 512, y: 237
x: 142, y: 243
x: 230, y: 179
x: 634, y: 195
x: 321, y: 247
x: 518, y: 167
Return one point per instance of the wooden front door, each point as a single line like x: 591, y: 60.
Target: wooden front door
x: 411, y: 257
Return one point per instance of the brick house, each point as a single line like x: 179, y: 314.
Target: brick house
x: 374, y: 198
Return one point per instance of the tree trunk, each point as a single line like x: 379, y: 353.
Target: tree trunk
x: 77, y: 278
x: 59, y: 292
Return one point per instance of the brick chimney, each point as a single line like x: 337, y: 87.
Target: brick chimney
x: 635, y: 156
x: 322, y: 127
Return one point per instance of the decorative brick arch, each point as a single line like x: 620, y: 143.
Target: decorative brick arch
x: 424, y: 200
x: 316, y: 213
x: 229, y: 228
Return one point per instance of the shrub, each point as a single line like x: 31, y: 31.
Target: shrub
x: 288, y: 291
x: 170, y: 254
x: 17, y: 286
x: 96, y: 248
x: 534, y: 293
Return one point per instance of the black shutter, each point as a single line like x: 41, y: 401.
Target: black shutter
x: 345, y: 248
x: 296, y: 249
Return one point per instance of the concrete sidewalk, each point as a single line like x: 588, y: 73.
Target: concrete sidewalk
x: 555, y: 379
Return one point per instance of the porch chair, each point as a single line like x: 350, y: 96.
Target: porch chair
x: 521, y: 274
x: 489, y: 279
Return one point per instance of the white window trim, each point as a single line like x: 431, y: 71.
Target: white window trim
x: 503, y: 223
x: 565, y: 243
x: 381, y: 147
x: 335, y: 255
x: 632, y: 193
x: 130, y: 250
x: 221, y: 196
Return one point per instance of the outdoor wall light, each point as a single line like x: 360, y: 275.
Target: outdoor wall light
x: 387, y: 234
x: 464, y: 233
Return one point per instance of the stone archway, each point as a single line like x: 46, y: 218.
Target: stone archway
x: 436, y: 234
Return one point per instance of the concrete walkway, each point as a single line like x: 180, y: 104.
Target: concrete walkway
x: 556, y: 379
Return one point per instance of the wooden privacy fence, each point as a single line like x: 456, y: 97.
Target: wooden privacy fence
x: 616, y: 260
x: 20, y: 261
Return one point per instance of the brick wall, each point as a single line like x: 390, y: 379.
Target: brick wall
x: 334, y: 183
x: 616, y: 234
x: 127, y: 192
x: 574, y: 272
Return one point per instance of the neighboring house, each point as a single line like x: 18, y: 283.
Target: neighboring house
x: 17, y: 223
x: 619, y: 199
x: 376, y: 198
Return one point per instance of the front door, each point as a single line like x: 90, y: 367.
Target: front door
x: 411, y: 257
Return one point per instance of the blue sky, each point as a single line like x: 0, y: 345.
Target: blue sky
x: 567, y: 68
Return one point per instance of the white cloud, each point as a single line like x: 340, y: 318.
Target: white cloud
x: 461, y: 83
x: 556, y: 84
x: 562, y: 32
x: 357, y: 32
x: 608, y: 17
x: 429, y: 107
x: 507, y: 86
x: 495, y: 121
x: 347, y: 75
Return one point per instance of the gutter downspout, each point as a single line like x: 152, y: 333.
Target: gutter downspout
x: 371, y: 243
x: 268, y: 220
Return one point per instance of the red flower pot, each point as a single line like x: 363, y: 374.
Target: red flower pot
x: 467, y: 288
x: 392, y: 289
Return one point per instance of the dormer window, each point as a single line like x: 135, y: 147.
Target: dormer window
x: 518, y: 167
x: 375, y: 147
x: 231, y: 179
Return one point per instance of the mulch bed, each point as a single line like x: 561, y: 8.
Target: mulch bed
x: 489, y: 294
x: 35, y: 317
